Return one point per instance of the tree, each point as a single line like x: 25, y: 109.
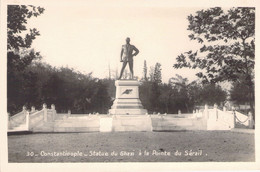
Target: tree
x: 157, y: 75
x: 194, y: 90
x: 167, y: 99
x: 16, y: 24
x: 145, y: 71
x: 68, y: 89
x: 151, y: 74
x: 179, y: 82
x: 53, y: 91
x: 19, y: 56
x: 228, y: 46
x: 212, y: 94
x: 144, y: 94
x: 181, y: 85
x: 150, y: 88
x: 155, y: 87
x: 101, y: 99
x: 239, y: 91
x: 188, y: 95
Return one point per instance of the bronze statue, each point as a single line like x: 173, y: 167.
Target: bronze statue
x: 127, y: 57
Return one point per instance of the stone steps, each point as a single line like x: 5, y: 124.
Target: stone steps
x: 115, y: 123
x: 44, y: 127
x: 22, y: 127
x: 175, y: 124
x: 217, y: 125
x: 71, y: 124
x: 131, y: 123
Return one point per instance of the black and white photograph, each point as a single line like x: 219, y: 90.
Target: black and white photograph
x: 126, y: 85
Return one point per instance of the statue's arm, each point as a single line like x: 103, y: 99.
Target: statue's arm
x: 136, y: 51
x: 122, y: 51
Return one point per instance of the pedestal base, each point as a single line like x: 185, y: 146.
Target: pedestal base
x: 127, y: 100
x: 128, y: 111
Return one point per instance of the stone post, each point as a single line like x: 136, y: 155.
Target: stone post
x: 44, y: 108
x: 53, y: 112
x: 197, y: 113
x: 32, y: 109
x: 216, y: 110
x: 251, y: 121
x: 69, y: 113
x: 233, y: 121
x: 194, y: 113
x: 179, y: 112
x: 234, y: 112
x: 28, y: 120
x: 234, y: 115
x: 24, y: 110
x: 206, y: 112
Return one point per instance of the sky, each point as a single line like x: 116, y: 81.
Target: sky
x: 88, y: 36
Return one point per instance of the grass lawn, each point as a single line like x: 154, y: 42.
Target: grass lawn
x: 182, y: 146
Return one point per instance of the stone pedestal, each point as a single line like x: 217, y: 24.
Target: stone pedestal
x: 127, y: 100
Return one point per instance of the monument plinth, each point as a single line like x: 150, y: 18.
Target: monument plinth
x: 127, y: 100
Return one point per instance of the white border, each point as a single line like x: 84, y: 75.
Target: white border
x: 168, y: 166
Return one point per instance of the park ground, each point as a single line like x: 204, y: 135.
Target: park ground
x: 178, y: 146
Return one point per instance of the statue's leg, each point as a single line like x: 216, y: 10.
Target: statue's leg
x: 122, y: 70
x: 131, y: 69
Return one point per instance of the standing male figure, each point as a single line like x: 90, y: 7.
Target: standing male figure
x: 127, y: 57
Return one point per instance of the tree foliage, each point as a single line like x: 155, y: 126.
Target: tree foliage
x: 64, y: 87
x: 228, y: 43
x: 145, y: 72
x: 227, y: 52
x: 81, y: 93
x: 16, y: 24
x: 150, y: 88
x: 19, y: 39
x: 157, y: 76
x: 21, y: 86
x: 178, y: 94
x: 239, y: 92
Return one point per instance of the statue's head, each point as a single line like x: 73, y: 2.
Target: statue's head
x: 127, y: 40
